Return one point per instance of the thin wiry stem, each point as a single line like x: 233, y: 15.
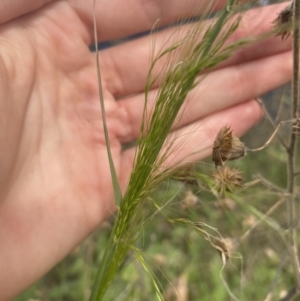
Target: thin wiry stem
x: 280, y: 106
x: 266, y: 113
x: 295, y: 83
x: 270, y: 185
x: 269, y: 212
x: 277, y: 278
x: 291, y: 208
x: 272, y: 136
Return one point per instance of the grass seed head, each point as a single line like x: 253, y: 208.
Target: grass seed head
x: 227, y: 147
x: 226, y: 246
x: 227, y: 180
x: 189, y: 200
x: 185, y: 174
x: 283, y: 23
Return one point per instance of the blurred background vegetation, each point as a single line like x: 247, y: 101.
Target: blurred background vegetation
x: 187, y: 266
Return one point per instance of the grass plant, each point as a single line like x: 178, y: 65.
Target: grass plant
x: 179, y: 77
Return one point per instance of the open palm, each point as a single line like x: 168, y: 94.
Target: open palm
x: 55, y: 184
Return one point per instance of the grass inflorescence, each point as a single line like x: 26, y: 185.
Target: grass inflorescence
x: 186, y: 59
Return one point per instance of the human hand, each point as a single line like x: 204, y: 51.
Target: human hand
x: 55, y: 185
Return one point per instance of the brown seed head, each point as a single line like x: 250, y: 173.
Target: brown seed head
x: 226, y: 179
x: 226, y: 246
x: 185, y: 174
x: 227, y: 147
x: 189, y: 200
x: 283, y: 23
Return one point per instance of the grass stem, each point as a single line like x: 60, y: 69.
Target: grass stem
x: 291, y: 208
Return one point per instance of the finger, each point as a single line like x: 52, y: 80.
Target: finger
x: 218, y: 90
x: 10, y: 9
x: 119, y: 18
x: 126, y: 66
x: 194, y: 142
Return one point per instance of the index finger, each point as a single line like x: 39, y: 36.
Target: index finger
x: 119, y: 18
x: 126, y: 66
